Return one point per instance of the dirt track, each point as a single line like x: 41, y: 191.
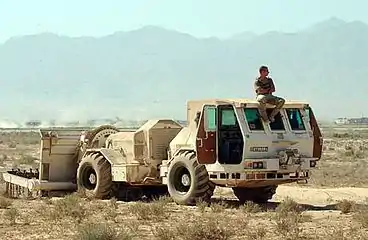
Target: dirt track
x: 321, y: 218
x: 342, y: 168
x: 312, y: 196
x: 321, y: 196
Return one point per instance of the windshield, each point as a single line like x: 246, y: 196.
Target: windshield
x: 295, y: 119
x: 293, y: 116
x: 253, y: 119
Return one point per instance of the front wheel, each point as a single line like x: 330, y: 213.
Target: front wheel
x: 94, y: 176
x: 188, y: 181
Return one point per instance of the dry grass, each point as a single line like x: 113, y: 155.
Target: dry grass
x: 79, y: 218
x: 13, y: 139
x: 344, y: 163
x: 11, y: 215
x: 289, y: 218
x: 19, y: 149
x: 5, y: 202
x: 69, y: 207
x: 149, y: 211
x: 361, y: 216
x: 346, y: 206
x: 198, y: 228
x: 101, y: 231
x: 218, y: 207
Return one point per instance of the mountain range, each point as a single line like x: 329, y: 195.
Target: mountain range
x: 151, y: 72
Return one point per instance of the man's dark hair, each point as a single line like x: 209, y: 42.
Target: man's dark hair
x: 263, y: 68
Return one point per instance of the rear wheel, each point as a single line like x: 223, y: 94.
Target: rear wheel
x: 97, y: 137
x: 257, y: 195
x: 188, y: 181
x: 94, y: 176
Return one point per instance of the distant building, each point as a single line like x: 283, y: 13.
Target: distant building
x: 341, y: 121
x: 33, y: 123
x: 362, y: 120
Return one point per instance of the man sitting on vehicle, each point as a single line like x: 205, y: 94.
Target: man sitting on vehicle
x: 264, y: 87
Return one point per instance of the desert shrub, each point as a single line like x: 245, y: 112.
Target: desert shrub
x: 27, y: 159
x: 164, y: 199
x: 4, y: 202
x: 3, y: 158
x: 93, y: 231
x: 288, y: 205
x: 256, y: 233
x: 11, y: 214
x: 341, y: 135
x: 12, y: 145
x: 201, y: 206
x: 288, y: 219
x: 111, y: 212
x: 164, y: 233
x: 70, y: 206
x: 209, y: 227
x: 218, y: 207
x: 361, y: 215
x: 148, y: 211
x: 251, y: 207
x: 205, y: 227
x: 345, y: 206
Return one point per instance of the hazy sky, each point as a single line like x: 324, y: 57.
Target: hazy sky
x: 198, y: 17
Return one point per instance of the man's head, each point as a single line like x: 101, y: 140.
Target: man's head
x: 263, y: 71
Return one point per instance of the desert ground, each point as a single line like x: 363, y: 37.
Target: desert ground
x: 332, y: 205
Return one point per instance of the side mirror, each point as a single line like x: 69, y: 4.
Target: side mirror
x: 197, y: 118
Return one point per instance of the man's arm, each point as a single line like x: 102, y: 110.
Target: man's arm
x: 257, y: 87
x: 272, y: 88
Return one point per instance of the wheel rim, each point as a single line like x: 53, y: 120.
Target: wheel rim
x: 89, y: 178
x: 98, y: 139
x: 182, y: 180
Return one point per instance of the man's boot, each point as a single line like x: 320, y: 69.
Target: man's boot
x: 276, y: 110
x: 273, y: 114
x: 264, y: 116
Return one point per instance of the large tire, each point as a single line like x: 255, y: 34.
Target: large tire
x: 188, y: 181
x: 97, y: 137
x: 96, y: 166
x: 257, y: 195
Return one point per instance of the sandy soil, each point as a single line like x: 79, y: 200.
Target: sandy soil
x: 333, y: 205
x: 309, y: 195
x: 320, y: 217
x: 318, y: 196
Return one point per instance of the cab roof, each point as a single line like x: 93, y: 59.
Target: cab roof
x: 244, y: 101
x: 195, y: 106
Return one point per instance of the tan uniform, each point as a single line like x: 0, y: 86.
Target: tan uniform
x: 266, y: 97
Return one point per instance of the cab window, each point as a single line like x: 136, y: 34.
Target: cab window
x: 278, y: 124
x: 228, y: 117
x: 307, y: 114
x: 295, y: 119
x: 210, y: 118
x: 253, y: 119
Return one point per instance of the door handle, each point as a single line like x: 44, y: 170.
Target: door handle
x: 201, y: 142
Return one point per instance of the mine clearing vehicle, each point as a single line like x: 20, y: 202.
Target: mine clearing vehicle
x: 225, y: 143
